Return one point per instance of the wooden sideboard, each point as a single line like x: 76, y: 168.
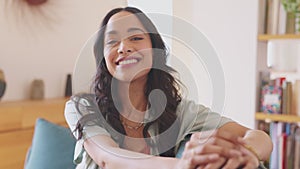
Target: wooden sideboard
x: 17, y: 121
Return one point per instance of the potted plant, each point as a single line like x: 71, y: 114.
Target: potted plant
x: 292, y: 7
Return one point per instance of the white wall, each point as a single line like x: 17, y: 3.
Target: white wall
x: 33, y: 46
x: 231, y: 26
x: 28, y: 51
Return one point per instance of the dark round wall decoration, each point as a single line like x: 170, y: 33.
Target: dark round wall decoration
x: 35, y: 2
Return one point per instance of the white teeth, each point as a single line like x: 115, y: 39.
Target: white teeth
x: 129, y: 61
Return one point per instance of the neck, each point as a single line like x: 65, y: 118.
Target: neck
x: 133, y: 100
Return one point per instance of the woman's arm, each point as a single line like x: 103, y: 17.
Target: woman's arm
x: 106, y: 153
x: 235, y: 144
x: 258, y: 140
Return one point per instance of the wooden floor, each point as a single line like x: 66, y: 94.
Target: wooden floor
x: 17, y: 126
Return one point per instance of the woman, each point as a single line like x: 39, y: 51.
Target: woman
x: 137, y: 110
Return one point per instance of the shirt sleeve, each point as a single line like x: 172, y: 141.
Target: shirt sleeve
x: 72, y: 117
x: 196, y: 118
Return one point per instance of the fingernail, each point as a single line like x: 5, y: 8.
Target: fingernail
x: 241, y: 140
x: 235, y: 153
x: 213, y: 156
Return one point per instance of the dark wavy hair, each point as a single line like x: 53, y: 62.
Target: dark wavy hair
x: 160, y: 77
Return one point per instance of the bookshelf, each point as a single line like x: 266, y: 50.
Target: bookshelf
x: 266, y: 37
x: 283, y: 128
x: 277, y: 117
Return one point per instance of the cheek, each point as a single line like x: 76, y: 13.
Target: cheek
x: 109, y: 56
x: 148, y: 57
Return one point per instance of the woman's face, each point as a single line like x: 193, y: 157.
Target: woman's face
x: 127, y: 48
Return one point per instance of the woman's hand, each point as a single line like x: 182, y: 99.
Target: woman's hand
x: 226, y: 148
x: 209, y: 149
x: 192, y: 158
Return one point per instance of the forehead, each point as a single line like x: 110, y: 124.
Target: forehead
x: 122, y: 22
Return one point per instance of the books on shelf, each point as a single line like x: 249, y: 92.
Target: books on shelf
x: 279, y: 96
x: 286, y: 145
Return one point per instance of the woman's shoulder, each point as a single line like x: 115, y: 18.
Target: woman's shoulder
x: 187, y: 105
x: 75, y: 108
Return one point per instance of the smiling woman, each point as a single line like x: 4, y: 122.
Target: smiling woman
x: 136, y: 117
x: 127, y: 48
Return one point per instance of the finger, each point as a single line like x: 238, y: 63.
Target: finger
x: 222, y: 151
x: 250, y: 156
x: 204, y: 159
x: 219, y: 141
x: 250, y: 166
x: 191, y: 144
x: 217, y: 164
x: 199, y: 160
x: 229, y: 136
x: 233, y: 163
x: 200, y: 167
x: 250, y: 160
x: 241, y: 141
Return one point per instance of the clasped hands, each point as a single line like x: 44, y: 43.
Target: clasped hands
x: 216, y: 149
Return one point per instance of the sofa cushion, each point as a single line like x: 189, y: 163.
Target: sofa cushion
x: 52, y: 147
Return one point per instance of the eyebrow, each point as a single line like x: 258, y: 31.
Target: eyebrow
x: 113, y: 32
x: 135, y: 29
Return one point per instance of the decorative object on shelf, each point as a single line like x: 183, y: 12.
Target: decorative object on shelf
x: 35, y: 2
x: 68, y: 90
x: 292, y: 7
x: 290, y: 23
x: 2, y: 84
x: 37, y: 91
x: 283, y: 55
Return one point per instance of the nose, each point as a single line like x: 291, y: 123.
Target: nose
x: 124, y: 48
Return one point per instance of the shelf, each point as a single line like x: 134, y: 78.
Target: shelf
x: 266, y: 37
x: 22, y: 114
x: 277, y: 117
x: 17, y: 124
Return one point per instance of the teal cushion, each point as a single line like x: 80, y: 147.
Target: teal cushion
x: 182, y: 146
x: 52, y: 147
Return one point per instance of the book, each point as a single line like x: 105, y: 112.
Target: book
x: 273, y: 15
x: 295, y: 107
x: 287, y: 97
x: 262, y: 17
x: 282, y: 19
x: 282, y: 151
x: 271, y: 96
x: 297, y: 149
x: 274, y: 137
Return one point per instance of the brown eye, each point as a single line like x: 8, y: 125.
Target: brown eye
x: 111, y: 42
x: 136, y: 38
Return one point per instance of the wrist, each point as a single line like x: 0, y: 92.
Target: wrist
x: 253, y: 151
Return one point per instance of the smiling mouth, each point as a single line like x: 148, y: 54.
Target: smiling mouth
x: 127, y: 61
